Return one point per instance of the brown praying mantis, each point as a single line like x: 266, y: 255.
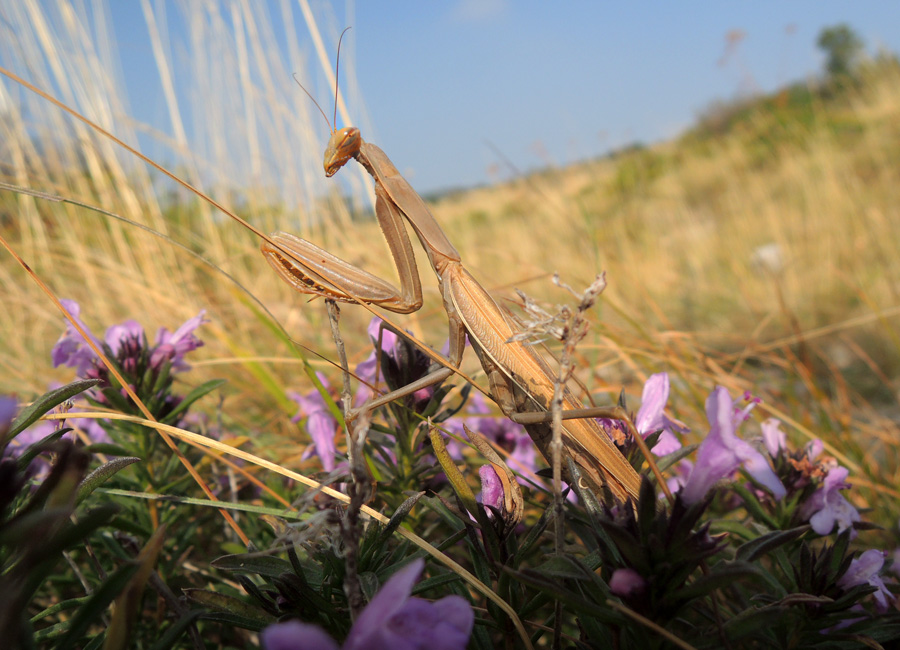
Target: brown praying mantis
x: 521, y: 381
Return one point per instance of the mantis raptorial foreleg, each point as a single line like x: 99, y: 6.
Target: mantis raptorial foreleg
x: 520, y: 380
x: 340, y: 280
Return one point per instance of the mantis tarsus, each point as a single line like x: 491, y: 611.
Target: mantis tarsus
x: 521, y: 382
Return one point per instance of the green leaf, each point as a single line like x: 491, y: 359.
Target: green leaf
x: 35, y: 448
x: 398, y: 516
x: 121, y: 625
x: 201, y: 391
x: 45, y: 403
x: 100, y: 475
x: 23, y: 530
x: 722, y: 575
x: 536, y: 531
x: 764, y: 544
x: 245, y: 614
x: 262, y: 565
x: 108, y: 448
x: 174, y: 632
x: 575, y: 600
x: 97, y: 604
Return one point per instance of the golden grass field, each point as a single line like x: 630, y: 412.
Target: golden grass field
x: 758, y: 251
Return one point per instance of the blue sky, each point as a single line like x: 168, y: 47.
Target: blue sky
x: 446, y: 85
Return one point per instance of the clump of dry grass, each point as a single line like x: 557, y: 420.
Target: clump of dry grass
x: 682, y: 229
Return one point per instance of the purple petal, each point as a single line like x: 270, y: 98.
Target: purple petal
x: 292, y: 635
x: 625, y: 582
x: 442, y: 625
x: 368, y: 630
x: 388, y: 338
x: 721, y: 452
x: 758, y: 467
x: 827, y: 506
x: 173, y: 347
x: 478, y: 404
x: 814, y: 448
x: 365, y: 371
x: 94, y: 430
x: 491, y: 487
x: 653, y: 401
x: 715, y: 458
x: 321, y: 428
x: 116, y: 335
x: 35, y: 433
x: 773, y: 437
x: 651, y: 416
x: 866, y: 569
x: 8, y: 408
x: 666, y: 444
x: 71, y: 349
x: 320, y: 424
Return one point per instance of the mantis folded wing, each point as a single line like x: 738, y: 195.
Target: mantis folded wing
x: 520, y: 380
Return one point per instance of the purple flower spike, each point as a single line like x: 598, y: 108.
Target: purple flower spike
x: 651, y: 416
x: 827, y: 506
x: 394, y: 621
x: 722, y: 452
x: 71, y: 349
x: 292, y: 635
x: 625, y: 582
x: 491, y: 487
x: 119, y: 335
x: 866, y: 570
x: 173, y: 346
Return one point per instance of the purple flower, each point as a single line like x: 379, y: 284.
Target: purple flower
x: 320, y: 424
x: 417, y: 366
x: 722, y: 452
x: 71, y: 349
x: 651, y: 416
x: 172, y: 347
x: 294, y: 635
x: 773, y: 437
x: 814, y: 448
x: 126, y: 342
x: 866, y: 570
x: 391, y: 621
x: 118, y: 336
x: 491, y: 487
x: 828, y: 506
x: 626, y: 582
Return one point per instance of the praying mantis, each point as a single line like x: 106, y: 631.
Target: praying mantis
x: 521, y: 382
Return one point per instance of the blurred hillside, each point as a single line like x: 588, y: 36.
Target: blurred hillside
x: 773, y: 221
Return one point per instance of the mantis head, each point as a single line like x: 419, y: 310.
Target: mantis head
x: 343, y: 145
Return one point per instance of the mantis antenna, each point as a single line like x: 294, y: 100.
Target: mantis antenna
x: 332, y: 125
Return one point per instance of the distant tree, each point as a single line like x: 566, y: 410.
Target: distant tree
x: 842, y: 46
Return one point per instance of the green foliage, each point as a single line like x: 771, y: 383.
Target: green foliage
x: 843, y: 48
